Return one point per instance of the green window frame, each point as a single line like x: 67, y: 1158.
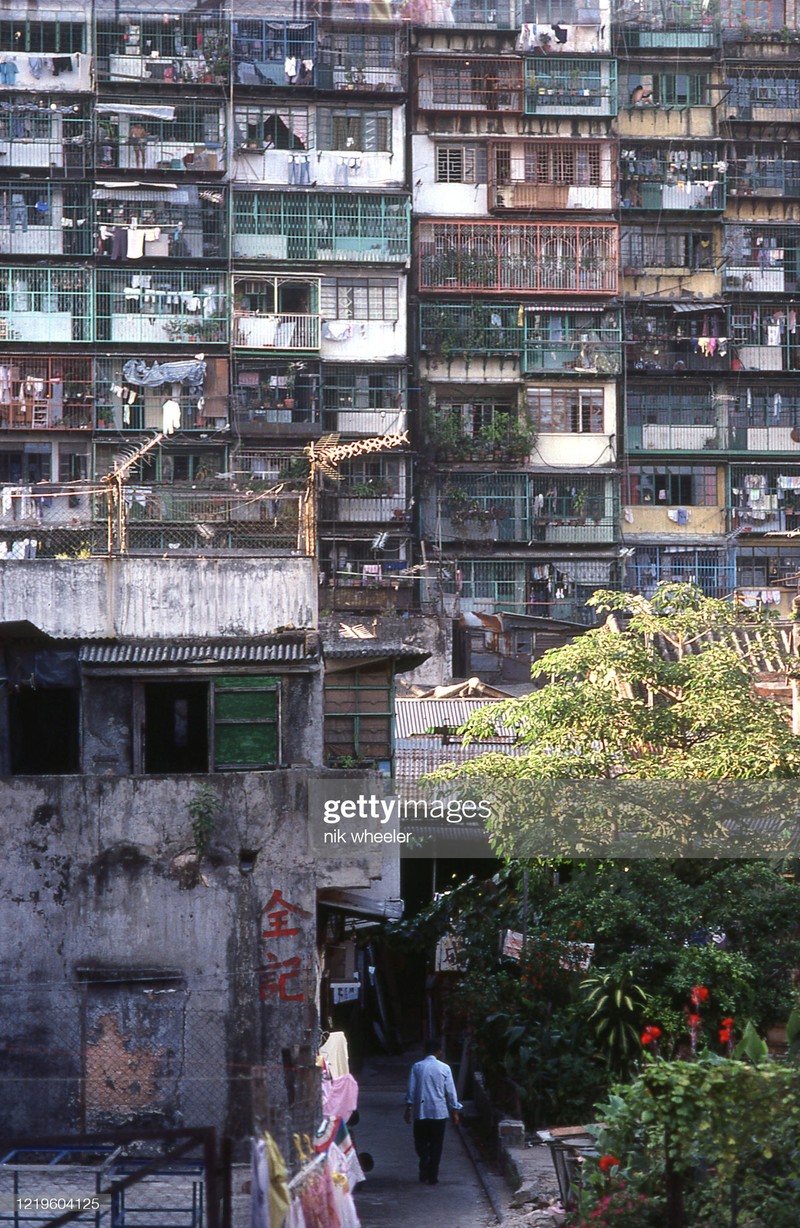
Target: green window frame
x: 246, y: 722
x: 354, y: 129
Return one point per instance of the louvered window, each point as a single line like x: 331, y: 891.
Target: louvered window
x: 353, y: 129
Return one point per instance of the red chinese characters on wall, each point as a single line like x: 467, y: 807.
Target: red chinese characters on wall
x: 280, y: 922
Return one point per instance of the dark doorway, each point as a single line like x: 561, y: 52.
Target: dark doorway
x: 176, y: 727
x: 44, y: 731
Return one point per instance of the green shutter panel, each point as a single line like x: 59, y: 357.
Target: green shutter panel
x: 323, y: 128
x: 246, y: 711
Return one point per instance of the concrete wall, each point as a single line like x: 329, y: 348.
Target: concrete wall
x: 142, y: 988
x: 417, y: 632
x: 159, y: 598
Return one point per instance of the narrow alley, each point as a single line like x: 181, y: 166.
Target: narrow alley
x: 392, y: 1196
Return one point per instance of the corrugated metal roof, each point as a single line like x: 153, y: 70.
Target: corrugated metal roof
x: 766, y: 648
x: 271, y: 650
x: 418, y: 715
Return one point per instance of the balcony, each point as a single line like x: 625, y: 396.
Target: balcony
x: 690, y: 420
x: 766, y: 418
x: 149, y: 136
x: 45, y: 393
x: 362, y: 61
x: 461, y: 329
x: 655, y: 178
x: 174, y: 223
x: 571, y: 28
x: 571, y: 87
x: 761, y: 259
x: 264, y: 49
x: 765, y: 500
x: 131, y: 393
x: 763, y: 336
x: 771, y: 99
x: 363, y: 400
x: 581, y: 340
x: 528, y: 257
x: 54, y: 139
x: 551, y: 175
x: 184, y: 50
x: 370, y: 492
x: 665, y: 25
x: 685, y: 337
x: 51, y: 305
x: 45, y: 220
x: 277, y: 398
x: 477, y: 84
x: 161, y: 307
x: 523, y: 508
x: 765, y: 172
x: 381, y: 509
x: 352, y: 227
x: 166, y: 517
x: 52, y: 507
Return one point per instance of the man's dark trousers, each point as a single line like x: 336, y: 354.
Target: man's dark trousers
x: 428, y: 1143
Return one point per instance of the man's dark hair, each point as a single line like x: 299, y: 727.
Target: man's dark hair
x: 432, y: 1046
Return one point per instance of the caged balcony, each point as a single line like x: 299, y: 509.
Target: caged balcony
x: 448, y: 330
x: 668, y: 25
x: 474, y: 14
x: 51, y: 305
x: 676, y: 179
x: 169, y: 223
x: 551, y: 175
x: 365, y: 400
x: 475, y: 83
x: 764, y: 170
x: 528, y: 257
x: 765, y: 336
x: 45, y: 219
x: 45, y: 51
x: 560, y: 86
x: 352, y: 227
x: 685, y: 337
x: 770, y: 98
x: 52, y: 137
x: 572, y: 27
x: 523, y: 508
x: 148, y: 136
x: 273, y: 312
x: 130, y: 393
x: 278, y: 397
x: 45, y: 392
x: 761, y: 259
x: 177, y: 49
x: 158, y: 307
x: 569, y: 340
x: 691, y: 419
x: 361, y: 61
x: 274, y: 51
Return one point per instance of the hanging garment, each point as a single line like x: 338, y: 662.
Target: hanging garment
x: 171, y: 412
x: 259, y: 1184
x: 339, y: 1096
x: 335, y: 1055
x: 279, y: 1197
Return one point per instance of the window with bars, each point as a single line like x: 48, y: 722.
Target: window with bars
x: 572, y: 411
x: 676, y: 89
x: 671, y: 485
x: 460, y: 164
x: 353, y: 128
x: 361, y: 388
x: 43, y: 36
x: 690, y: 251
x: 359, y: 299
x: 563, y: 164
x: 284, y: 127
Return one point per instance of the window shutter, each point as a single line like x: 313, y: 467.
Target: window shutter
x: 443, y: 164
x: 327, y: 299
x: 480, y: 159
x: 323, y: 128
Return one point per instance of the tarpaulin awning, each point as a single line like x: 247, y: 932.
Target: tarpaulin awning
x: 191, y: 371
x: 132, y: 108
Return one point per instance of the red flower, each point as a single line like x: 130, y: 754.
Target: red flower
x: 607, y: 1163
x: 646, y: 1038
x: 694, y: 1021
x: 729, y: 1022
x: 724, y: 1035
x: 649, y: 1035
x: 699, y: 995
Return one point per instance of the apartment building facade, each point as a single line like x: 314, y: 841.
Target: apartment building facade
x: 558, y: 243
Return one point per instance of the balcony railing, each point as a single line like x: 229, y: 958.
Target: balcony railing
x: 767, y: 99
x: 281, y: 331
x: 470, y: 84
x: 150, y: 136
x: 158, y: 308
x: 169, y: 517
x: 686, y: 179
x: 528, y: 257
x: 184, y: 49
x: 755, y: 175
x: 551, y: 175
x: 45, y: 219
x: 354, y: 226
x: 379, y: 509
x: 42, y: 393
x: 517, y: 507
x: 265, y: 49
x: 457, y: 329
x: 161, y: 223
x: 480, y: 14
x: 50, y: 305
x: 668, y: 347
x: 571, y: 87
x: 37, y: 135
x: 583, y: 341
x: 361, y: 61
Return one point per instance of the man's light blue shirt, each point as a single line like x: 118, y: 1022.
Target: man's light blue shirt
x: 431, y: 1090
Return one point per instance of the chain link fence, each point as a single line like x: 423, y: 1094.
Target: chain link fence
x: 80, y: 520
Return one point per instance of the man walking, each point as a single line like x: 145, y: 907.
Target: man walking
x: 432, y: 1099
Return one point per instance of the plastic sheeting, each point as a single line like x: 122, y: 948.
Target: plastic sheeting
x: 190, y: 371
